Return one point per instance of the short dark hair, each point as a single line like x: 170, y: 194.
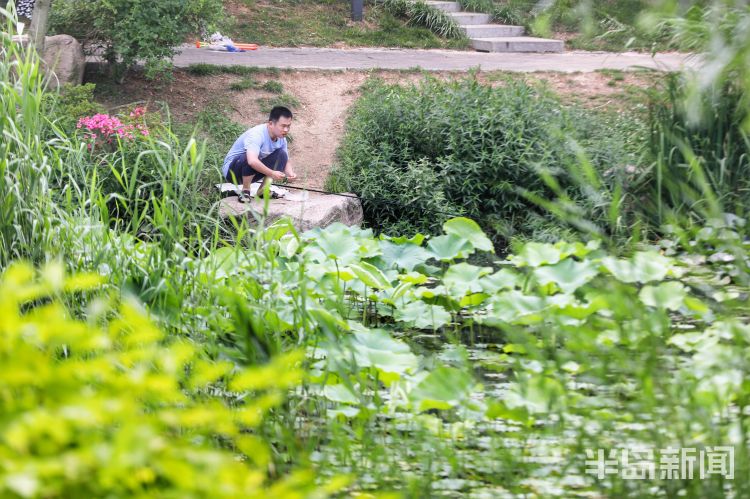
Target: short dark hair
x: 279, y: 112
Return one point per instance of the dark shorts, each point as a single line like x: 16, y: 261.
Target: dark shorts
x: 239, y: 168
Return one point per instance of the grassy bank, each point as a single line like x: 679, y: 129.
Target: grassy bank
x: 328, y: 23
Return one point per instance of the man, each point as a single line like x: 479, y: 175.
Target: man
x: 261, y: 153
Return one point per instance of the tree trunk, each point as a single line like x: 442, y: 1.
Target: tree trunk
x: 39, y: 23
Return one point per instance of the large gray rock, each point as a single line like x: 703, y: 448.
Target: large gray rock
x: 306, y: 209
x: 63, y: 56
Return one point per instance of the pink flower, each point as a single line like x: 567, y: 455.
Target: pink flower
x: 109, y: 127
x: 138, y: 112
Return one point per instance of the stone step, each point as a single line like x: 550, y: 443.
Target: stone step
x: 446, y: 6
x: 491, y: 30
x: 464, y: 18
x: 517, y: 44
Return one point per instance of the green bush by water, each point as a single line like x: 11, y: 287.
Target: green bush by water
x: 78, y: 422
x: 418, y: 155
x: 699, y: 141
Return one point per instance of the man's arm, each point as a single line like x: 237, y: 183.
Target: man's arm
x: 258, y: 166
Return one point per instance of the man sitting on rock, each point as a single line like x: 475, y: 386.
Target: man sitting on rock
x: 260, y: 153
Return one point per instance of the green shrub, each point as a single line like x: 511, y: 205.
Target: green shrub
x: 133, y: 30
x: 71, y: 103
x: 477, y: 150
x: 605, y: 25
x: 514, y: 12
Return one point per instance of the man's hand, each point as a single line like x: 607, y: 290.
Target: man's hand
x: 276, y: 175
x: 290, y: 174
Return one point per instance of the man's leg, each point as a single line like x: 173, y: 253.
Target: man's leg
x: 240, y: 169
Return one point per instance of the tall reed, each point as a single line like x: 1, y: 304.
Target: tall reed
x: 26, y: 159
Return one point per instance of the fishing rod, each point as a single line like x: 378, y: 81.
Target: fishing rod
x: 287, y: 186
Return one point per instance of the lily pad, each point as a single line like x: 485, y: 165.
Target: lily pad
x: 536, y: 254
x: 468, y: 229
x: 377, y: 349
x: 502, y: 279
x: 463, y: 278
x: 423, y: 316
x: 449, y: 247
x: 403, y: 256
x: 514, y: 307
x: 667, y: 295
x: 443, y: 388
x: 644, y: 266
x: 568, y: 275
x: 370, y: 275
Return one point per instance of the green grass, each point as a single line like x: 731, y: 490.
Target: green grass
x: 286, y: 100
x: 204, y: 69
x: 327, y: 22
x: 274, y: 87
x: 243, y: 84
x: 615, y: 74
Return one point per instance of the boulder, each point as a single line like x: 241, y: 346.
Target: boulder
x: 63, y: 54
x: 306, y: 209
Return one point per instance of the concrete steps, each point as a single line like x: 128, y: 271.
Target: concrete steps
x: 488, y: 37
x: 491, y: 30
x: 446, y: 6
x: 516, y: 44
x: 470, y: 18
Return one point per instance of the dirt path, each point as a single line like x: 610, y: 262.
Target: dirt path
x: 319, y: 120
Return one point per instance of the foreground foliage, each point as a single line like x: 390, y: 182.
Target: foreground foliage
x: 110, y: 407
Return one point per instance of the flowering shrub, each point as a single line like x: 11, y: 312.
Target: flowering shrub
x: 107, y: 128
x: 130, y: 154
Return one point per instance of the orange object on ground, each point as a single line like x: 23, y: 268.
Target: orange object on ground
x: 242, y: 46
